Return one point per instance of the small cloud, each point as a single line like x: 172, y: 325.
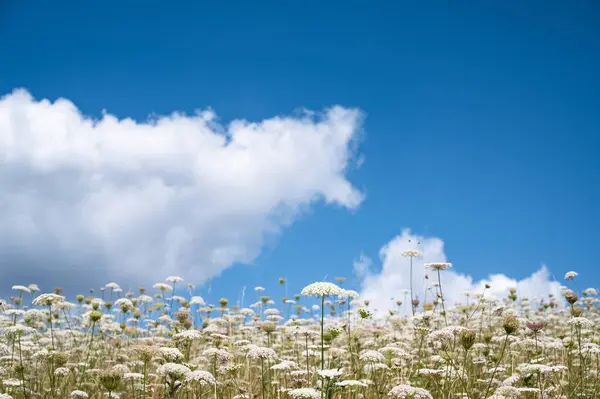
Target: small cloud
x: 393, y: 279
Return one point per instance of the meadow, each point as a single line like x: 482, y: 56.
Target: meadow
x: 324, y: 342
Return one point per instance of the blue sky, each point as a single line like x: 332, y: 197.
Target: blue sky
x: 482, y: 122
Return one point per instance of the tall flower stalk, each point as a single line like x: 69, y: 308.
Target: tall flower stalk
x: 322, y: 290
x: 437, y: 266
x: 412, y: 253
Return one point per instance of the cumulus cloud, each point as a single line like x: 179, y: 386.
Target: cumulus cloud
x: 178, y: 194
x: 392, y: 282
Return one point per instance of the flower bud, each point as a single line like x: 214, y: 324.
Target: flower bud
x: 467, y: 338
x: 571, y: 297
x: 510, y: 324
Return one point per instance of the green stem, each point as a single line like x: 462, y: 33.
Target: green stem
x: 442, y: 295
x: 411, y: 287
x: 496, y: 367
x: 322, y: 334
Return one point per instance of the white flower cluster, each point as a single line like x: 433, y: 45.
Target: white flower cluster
x: 349, y: 294
x: 197, y: 300
x: 351, y: 383
x: 188, y: 335
x: 580, y: 322
x: 124, y: 303
x: 571, y: 275
x: 305, y: 393
x: 262, y: 353
x: 163, y: 287
x: 330, y: 374
x: 322, y: 289
x: 371, y: 356
x: 404, y: 391
x: 170, y: 354
x: 412, y: 253
x: 174, y: 279
x: 438, y: 265
x: 21, y: 288
x: 285, y: 365
x: 200, y: 377
x: 173, y: 370
x: 48, y: 299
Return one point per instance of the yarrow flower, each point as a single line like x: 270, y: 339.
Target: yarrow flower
x: 173, y: 370
x: 133, y: 376
x: 188, y: 335
x: 21, y: 288
x: 330, y: 374
x: 162, y: 287
x: 262, y: 353
x: 305, y: 393
x: 409, y: 392
x: 321, y: 289
x: 371, y: 356
x: 571, y: 275
x: 197, y: 300
x: 351, y: 383
x: 48, y: 299
x: 413, y: 253
x: 200, y: 377
x: 124, y: 303
x: 174, y: 279
x: 170, y: 354
x: 18, y: 330
x: 580, y: 322
x: 349, y: 294
x: 285, y: 365
x: 438, y: 265
x: 112, y: 286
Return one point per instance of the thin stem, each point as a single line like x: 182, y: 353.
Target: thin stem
x: 411, y: 287
x: 51, y: 328
x: 442, y: 295
x: 496, y: 367
x: 322, y: 335
x: 22, y: 369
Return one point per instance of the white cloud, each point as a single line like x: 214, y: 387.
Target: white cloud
x: 394, y: 277
x: 362, y: 266
x: 176, y: 195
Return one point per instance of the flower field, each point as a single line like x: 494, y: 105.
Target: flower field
x: 324, y: 342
